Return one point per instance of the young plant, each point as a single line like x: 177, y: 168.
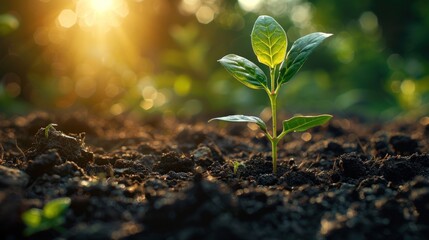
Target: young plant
x: 52, y: 216
x: 269, y: 42
x: 236, y: 165
x: 49, y: 127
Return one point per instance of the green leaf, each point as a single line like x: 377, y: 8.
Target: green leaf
x: 298, y: 54
x: 269, y: 41
x: 56, y: 208
x: 32, y: 217
x: 236, y: 165
x: 49, y: 127
x: 302, y: 123
x: 242, y: 118
x: 244, y: 71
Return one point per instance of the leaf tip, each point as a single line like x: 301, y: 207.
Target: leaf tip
x: 327, y: 116
x: 325, y: 35
x: 263, y: 16
x: 222, y: 59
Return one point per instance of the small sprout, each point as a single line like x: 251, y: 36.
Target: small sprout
x: 47, y: 128
x: 269, y: 42
x: 236, y: 165
x: 52, y: 216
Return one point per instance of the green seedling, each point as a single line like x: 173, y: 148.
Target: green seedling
x: 47, y: 128
x: 52, y: 216
x: 269, y: 42
x: 236, y: 165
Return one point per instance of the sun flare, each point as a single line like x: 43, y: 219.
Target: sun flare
x: 96, y: 40
x: 101, y: 13
x: 102, y: 5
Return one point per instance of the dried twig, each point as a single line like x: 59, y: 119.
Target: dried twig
x: 2, y: 152
x: 20, y: 150
x: 361, y: 145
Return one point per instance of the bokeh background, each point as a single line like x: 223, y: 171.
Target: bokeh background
x: 160, y: 57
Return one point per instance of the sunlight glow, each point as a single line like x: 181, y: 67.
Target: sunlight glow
x: 103, y: 14
x: 306, y: 136
x: 301, y: 15
x: 102, y: 5
x: 94, y: 49
x: 116, y: 109
x: 250, y: 5
x: 204, y: 10
x: 205, y: 14
x: 67, y: 18
x: 146, y: 104
x: 408, y: 87
x: 100, y: 57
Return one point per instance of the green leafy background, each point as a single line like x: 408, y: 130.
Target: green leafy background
x: 375, y: 65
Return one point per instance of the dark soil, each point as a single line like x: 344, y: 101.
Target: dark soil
x: 165, y: 179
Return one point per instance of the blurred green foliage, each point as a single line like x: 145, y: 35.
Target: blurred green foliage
x: 52, y: 216
x: 160, y: 56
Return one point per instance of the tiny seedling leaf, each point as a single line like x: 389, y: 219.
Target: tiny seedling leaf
x: 50, y: 217
x: 302, y: 123
x: 244, y: 71
x: 269, y: 41
x: 298, y: 54
x: 47, y: 128
x: 56, y: 208
x: 32, y: 217
x: 236, y: 165
x: 243, y: 118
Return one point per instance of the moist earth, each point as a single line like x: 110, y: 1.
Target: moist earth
x: 164, y: 178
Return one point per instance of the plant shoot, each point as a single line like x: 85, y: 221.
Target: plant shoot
x: 269, y: 43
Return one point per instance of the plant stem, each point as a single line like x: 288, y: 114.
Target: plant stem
x: 274, y: 140
x: 273, y: 102
x: 274, y: 155
x: 273, y: 81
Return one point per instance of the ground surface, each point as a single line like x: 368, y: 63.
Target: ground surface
x: 164, y: 179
